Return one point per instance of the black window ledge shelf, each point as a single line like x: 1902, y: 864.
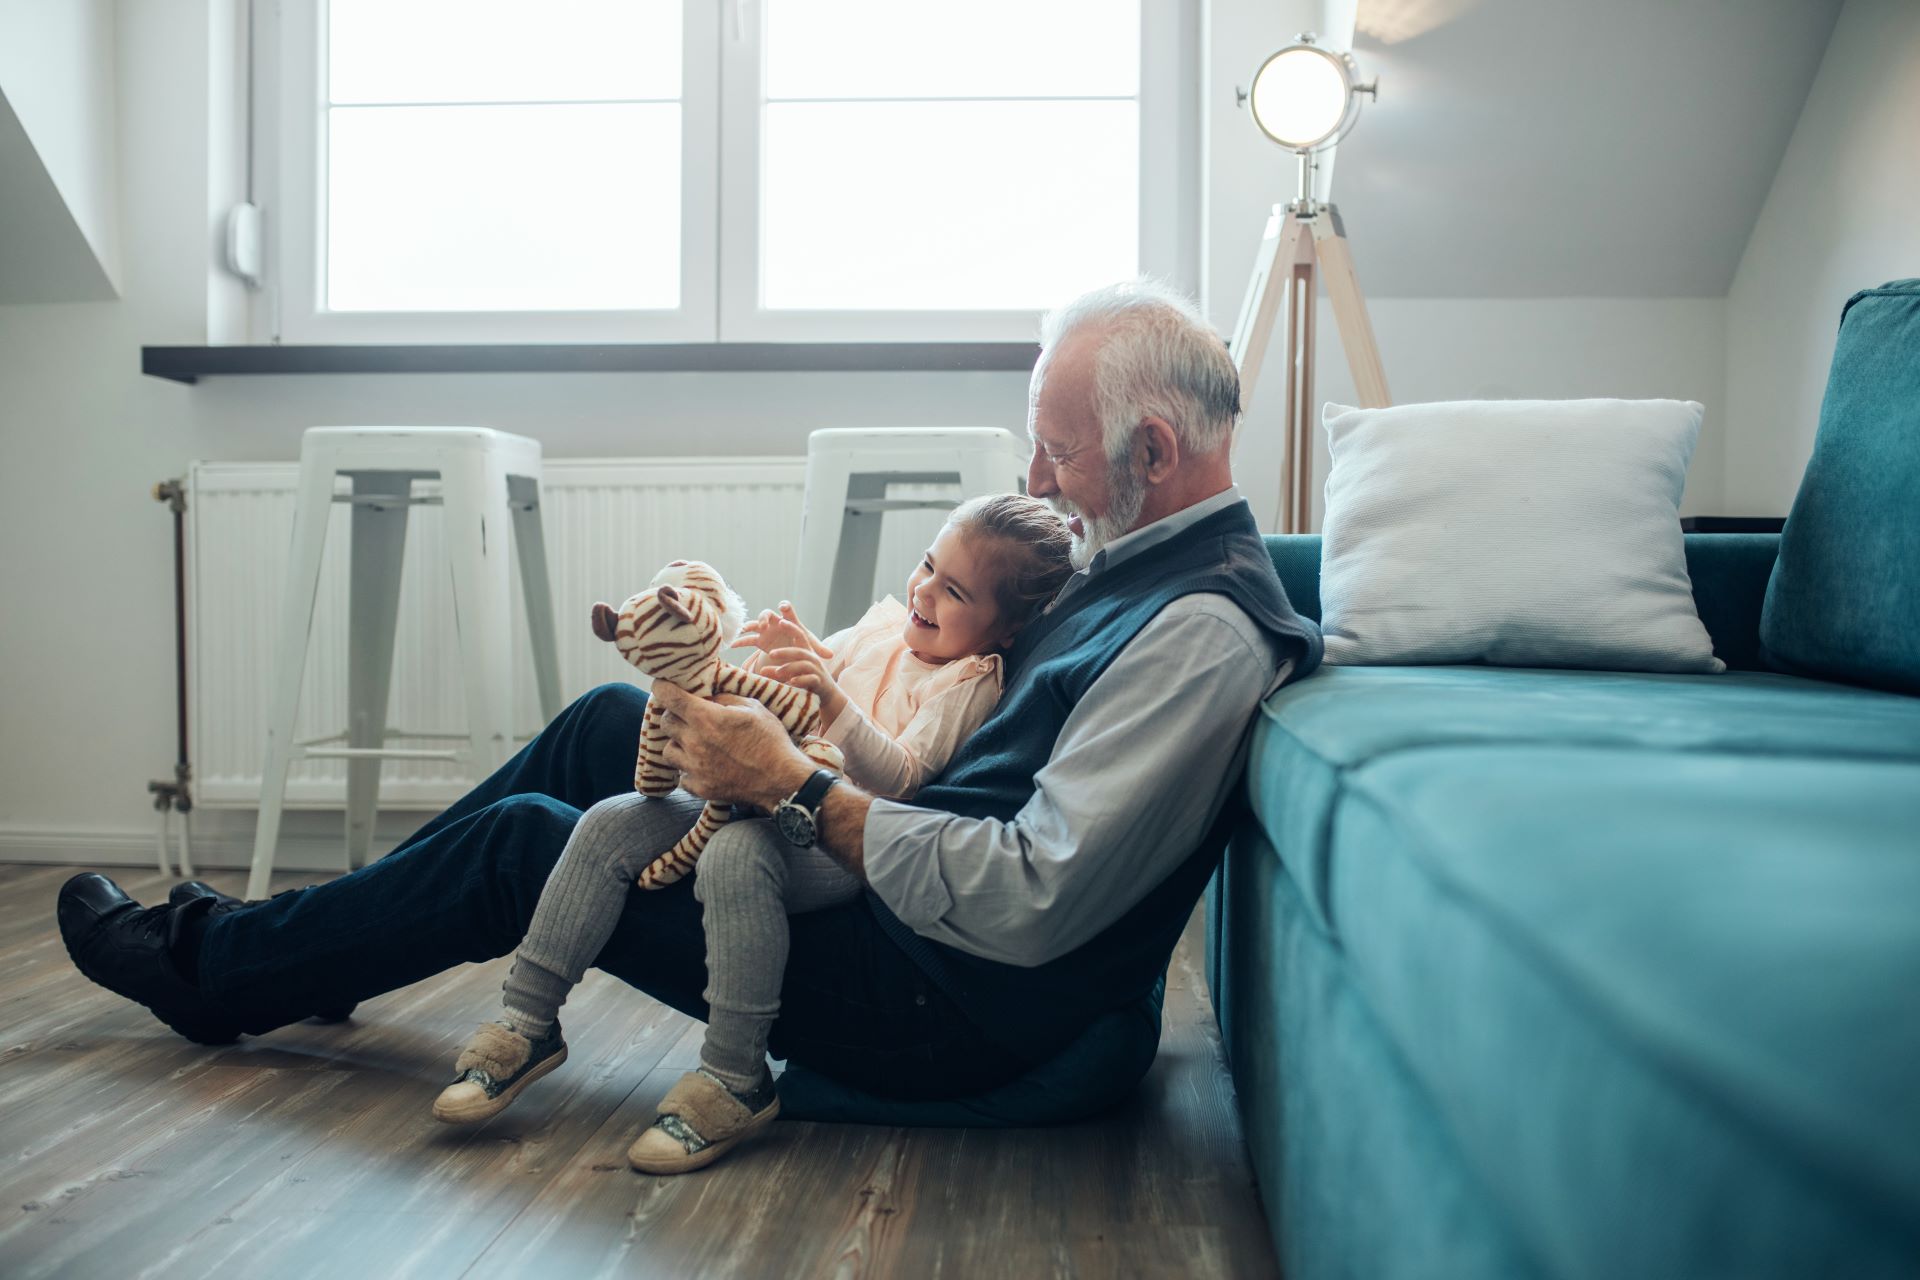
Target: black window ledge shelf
x: 190, y: 364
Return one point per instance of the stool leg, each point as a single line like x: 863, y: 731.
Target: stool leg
x: 313, y: 504
x: 530, y: 543
x: 857, y: 557
x: 373, y: 615
x: 823, y: 515
x: 475, y: 490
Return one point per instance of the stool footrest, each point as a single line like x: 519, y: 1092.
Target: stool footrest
x: 385, y: 501
x: 378, y: 753
x: 865, y: 506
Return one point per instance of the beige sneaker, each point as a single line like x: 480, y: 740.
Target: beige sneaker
x: 700, y: 1120
x: 494, y: 1067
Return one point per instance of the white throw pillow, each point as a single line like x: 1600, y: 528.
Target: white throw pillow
x: 1523, y: 533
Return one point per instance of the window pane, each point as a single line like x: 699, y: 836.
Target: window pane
x: 960, y: 206
x: 978, y: 48
x: 507, y: 208
x: 503, y: 50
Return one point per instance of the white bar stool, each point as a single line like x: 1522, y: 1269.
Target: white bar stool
x: 848, y: 471
x: 489, y: 481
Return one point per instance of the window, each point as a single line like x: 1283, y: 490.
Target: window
x: 692, y: 171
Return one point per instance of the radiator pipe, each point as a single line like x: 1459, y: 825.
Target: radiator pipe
x: 176, y: 796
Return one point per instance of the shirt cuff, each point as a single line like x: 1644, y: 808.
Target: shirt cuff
x: 901, y: 862
x: 836, y: 733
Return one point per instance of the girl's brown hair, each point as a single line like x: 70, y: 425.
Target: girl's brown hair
x: 1033, y: 547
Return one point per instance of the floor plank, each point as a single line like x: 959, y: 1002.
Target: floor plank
x: 126, y: 1151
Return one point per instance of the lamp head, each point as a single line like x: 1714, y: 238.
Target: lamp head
x: 1305, y: 97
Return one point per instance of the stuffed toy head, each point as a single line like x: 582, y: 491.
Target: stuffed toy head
x: 676, y: 628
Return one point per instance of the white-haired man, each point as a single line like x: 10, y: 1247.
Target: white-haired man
x: 1041, y: 881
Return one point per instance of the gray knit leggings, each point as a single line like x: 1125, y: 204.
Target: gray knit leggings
x: 748, y: 881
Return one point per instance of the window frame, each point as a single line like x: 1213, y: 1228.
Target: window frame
x: 722, y: 78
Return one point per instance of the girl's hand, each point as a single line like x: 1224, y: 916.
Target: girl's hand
x: 781, y: 629
x: 805, y: 669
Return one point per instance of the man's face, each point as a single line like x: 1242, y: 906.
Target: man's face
x: 1069, y: 469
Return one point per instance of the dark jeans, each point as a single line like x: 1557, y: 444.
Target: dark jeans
x: 463, y: 888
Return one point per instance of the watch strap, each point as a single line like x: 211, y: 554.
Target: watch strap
x: 814, y: 790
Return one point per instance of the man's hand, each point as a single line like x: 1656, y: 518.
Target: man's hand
x: 732, y: 751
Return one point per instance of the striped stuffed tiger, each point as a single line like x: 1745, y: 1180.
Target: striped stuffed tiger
x: 674, y: 631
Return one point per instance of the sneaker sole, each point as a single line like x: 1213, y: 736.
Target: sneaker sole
x: 706, y: 1155
x: 491, y: 1107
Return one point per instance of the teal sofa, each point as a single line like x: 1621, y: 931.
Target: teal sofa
x: 1586, y: 973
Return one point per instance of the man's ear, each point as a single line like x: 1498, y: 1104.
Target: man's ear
x: 1161, y: 444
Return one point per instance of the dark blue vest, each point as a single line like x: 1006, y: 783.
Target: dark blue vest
x: 1037, y: 1011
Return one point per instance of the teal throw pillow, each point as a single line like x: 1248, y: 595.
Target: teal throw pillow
x: 1844, y: 600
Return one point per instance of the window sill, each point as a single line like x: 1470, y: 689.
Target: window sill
x: 190, y: 364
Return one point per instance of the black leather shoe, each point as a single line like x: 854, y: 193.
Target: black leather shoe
x: 127, y: 948
x: 194, y: 890
x: 188, y: 890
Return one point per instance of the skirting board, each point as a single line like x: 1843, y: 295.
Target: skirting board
x: 217, y: 852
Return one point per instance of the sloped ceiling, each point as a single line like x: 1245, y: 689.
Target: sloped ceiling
x: 45, y: 255
x: 1570, y: 148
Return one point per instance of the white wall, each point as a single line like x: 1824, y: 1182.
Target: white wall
x: 1506, y: 349
x: 1432, y: 348
x: 57, y: 73
x: 1843, y: 215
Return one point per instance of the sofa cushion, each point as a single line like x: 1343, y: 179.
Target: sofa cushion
x: 1316, y: 731
x: 1661, y: 996
x: 1692, y: 975
x: 1844, y: 602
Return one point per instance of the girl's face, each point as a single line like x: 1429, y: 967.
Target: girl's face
x: 952, y: 610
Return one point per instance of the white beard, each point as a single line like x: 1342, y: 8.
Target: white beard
x: 1126, y: 495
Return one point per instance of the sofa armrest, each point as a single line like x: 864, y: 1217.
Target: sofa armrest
x: 1729, y: 572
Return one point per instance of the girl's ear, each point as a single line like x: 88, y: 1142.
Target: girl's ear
x: 1008, y: 634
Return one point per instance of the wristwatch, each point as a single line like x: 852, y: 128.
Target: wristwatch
x: 795, y: 816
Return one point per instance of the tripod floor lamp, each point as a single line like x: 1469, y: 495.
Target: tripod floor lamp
x: 1306, y: 99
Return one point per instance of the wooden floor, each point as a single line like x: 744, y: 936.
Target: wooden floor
x: 125, y: 1151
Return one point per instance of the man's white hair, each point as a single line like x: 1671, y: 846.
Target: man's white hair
x: 1159, y: 359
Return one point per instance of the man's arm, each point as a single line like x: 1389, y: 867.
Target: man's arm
x: 735, y: 751
x: 1137, y: 775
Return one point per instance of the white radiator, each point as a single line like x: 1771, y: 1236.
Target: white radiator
x: 609, y: 523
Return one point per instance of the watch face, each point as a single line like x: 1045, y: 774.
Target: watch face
x: 795, y: 823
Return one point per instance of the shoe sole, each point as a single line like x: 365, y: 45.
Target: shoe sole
x: 712, y: 1151
x: 491, y: 1107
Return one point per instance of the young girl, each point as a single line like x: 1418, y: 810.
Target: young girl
x: 899, y: 691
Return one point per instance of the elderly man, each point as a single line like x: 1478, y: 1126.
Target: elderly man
x: 1041, y: 881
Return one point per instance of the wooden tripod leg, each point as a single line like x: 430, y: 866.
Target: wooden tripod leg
x: 1286, y: 252
x: 1350, y: 310
x: 1286, y: 238
x: 1296, y: 469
